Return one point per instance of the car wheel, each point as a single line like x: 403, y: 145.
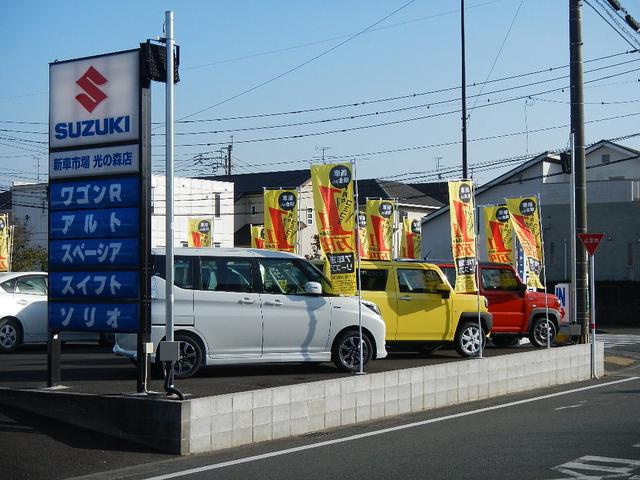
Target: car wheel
x: 539, y: 331
x: 468, y: 339
x: 346, y: 351
x: 428, y: 349
x: 190, y: 357
x: 505, y: 340
x: 10, y: 335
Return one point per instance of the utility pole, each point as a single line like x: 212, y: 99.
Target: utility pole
x: 228, y: 166
x: 464, y: 96
x: 577, y: 129
x: 437, y: 159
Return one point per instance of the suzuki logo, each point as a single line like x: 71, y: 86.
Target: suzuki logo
x: 93, y: 96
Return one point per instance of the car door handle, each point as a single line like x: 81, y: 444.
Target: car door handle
x: 247, y: 300
x: 406, y: 298
x: 275, y: 303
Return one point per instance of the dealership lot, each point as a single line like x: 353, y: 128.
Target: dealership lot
x: 87, y: 368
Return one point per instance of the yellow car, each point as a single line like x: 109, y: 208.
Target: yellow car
x: 420, y: 308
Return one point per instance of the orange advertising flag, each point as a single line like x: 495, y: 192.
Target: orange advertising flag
x: 499, y: 233
x: 257, y: 236
x: 281, y: 220
x: 200, y: 230
x: 334, y: 204
x: 380, y: 228
x: 463, y: 235
x: 410, y: 243
x: 525, y: 220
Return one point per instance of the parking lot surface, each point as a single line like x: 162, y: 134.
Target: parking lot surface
x: 87, y: 368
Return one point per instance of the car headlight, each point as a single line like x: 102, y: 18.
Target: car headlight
x: 373, y: 307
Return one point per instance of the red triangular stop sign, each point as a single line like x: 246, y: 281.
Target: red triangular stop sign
x: 591, y: 241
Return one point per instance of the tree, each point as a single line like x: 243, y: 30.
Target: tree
x: 24, y: 256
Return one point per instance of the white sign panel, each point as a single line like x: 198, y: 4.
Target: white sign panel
x: 94, y: 161
x: 94, y: 100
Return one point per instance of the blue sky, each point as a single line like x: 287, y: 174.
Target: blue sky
x: 231, y: 46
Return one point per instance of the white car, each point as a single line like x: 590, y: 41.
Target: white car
x: 240, y: 306
x: 23, y: 311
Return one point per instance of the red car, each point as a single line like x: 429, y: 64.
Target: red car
x: 517, y: 312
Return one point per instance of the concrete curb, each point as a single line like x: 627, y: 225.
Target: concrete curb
x: 214, y: 423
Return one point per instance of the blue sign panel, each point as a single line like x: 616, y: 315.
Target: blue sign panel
x: 114, y: 222
x: 92, y: 193
x: 79, y: 253
x: 100, y: 285
x: 95, y: 317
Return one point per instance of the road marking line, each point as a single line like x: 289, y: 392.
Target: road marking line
x: 569, y: 406
x: 278, y: 453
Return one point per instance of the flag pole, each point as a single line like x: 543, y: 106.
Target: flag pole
x: 354, y: 164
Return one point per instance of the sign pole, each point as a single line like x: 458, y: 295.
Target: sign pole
x: 169, y: 300
x: 358, y: 279
x: 591, y: 241
x: 592, y: 309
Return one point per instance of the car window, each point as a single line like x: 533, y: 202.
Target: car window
x: 373, y: 280
x: 226, y: 274
x: 499, y: 279
x: 9, y: 285
x: 286, y: 276
x: 31, y: 286
x: 450, y: 273
x: 418, y: 280
x: 182, y: 270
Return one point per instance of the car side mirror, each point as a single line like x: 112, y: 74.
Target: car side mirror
x: 444, y: 290
x: 313, y: 288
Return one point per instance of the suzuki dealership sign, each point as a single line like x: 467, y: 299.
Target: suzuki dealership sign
x: 94, y: 100
x: 95, y: 194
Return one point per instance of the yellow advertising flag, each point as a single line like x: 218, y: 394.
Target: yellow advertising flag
x: 525, y: 220
x: 362, y: 235
x: 4, y: 243
x: 257, y: 236
x: 463, y: 235
x: 380, y: 229
x: 499, y: 233
x: 334, y: 204
x: 281, y: 220
x: 200, y: 230
x: 410, y: 242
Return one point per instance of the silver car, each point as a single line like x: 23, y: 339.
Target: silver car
x: 240, y: 306
x: 23, y: 311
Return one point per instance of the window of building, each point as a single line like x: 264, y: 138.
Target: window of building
x: 635, y: 190
x: 606, y: 158
x: 630, y: 254
x: 253, y: 209
x: 217, y: 205
x: 309, y: 216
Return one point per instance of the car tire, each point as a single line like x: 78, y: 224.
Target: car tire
x: 345, y: 353
x: 538, y: 333
x: 190, y: 359
x: 428, y: 349
x: 10, y: 335
x: 505, y: 340
x: 468, y: 338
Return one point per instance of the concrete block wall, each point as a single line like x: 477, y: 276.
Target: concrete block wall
x: 242, y: 418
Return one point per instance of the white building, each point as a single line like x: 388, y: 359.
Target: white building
x: 193, y: 198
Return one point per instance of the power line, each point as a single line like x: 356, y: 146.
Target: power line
x: 297, y: 67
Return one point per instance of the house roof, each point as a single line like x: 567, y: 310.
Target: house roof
x: 439, y: 191
x: 252, y: 183
x: 548, y: 157
x: 6, y: 200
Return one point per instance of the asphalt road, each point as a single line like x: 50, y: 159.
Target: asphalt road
x: 526, y: 440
